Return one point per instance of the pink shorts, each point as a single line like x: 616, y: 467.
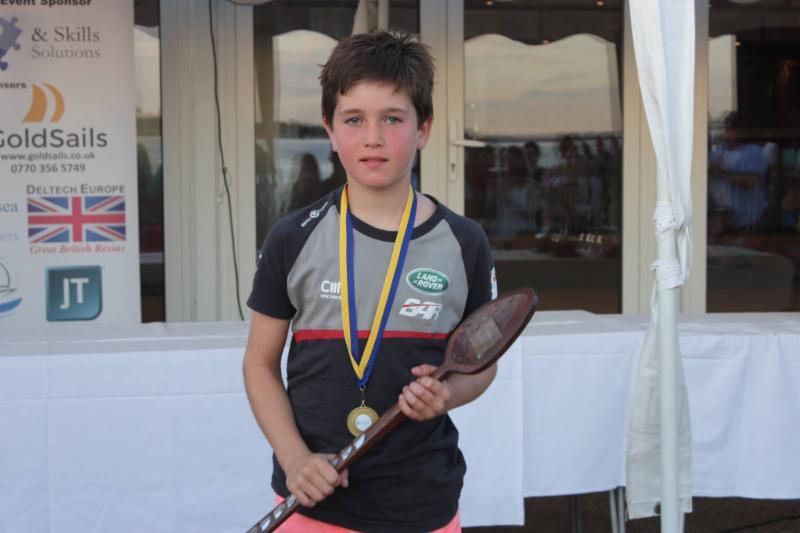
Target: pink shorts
x: 298, y: 523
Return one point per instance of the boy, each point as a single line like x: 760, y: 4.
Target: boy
x: 372, y: 248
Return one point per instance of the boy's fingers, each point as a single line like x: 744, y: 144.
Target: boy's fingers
x: 406, y: 409
x: 428, y: 397
x: 344, y: 480
x: 438, y: 388
x: 304, y: 500
x: 319, y: 488
x: 409, y: 396
x: 433, y: 385
x: 327, y: 473
x: 341, y: 477
x: 423, y: 370
x: 314, y: 479
x: 431, y: 391
x: 317, y: 479
x: 303, y: 495
x: 422, y: 392
x: 420, y: 401
x: 314, y: 492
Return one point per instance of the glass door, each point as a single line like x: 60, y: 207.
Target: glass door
x: 753, y: 251
x: 539, y: 121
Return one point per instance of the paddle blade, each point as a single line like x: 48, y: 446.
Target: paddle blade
x: 489, y: 331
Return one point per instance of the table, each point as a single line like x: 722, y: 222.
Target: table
x: 743, y: 377
x: 147, y: 428
x: 577, y: 375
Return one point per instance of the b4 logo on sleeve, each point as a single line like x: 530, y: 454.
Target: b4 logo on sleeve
x: 414, y: 308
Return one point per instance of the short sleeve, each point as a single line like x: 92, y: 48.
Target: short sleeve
x: 482, y: 280
x: 270, y: 295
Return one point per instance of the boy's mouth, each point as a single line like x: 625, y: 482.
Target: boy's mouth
x: 373, y: 162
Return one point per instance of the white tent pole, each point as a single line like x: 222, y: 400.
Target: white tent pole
x: 668, y: 354
x: 664, y: 44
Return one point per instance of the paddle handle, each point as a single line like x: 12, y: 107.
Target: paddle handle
x: 358, y: 447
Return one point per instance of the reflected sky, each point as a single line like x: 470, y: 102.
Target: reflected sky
x: 147, y: 64
x: 570, y: 85
x: 511, y: 89
x: 515, y: 89
x: 300, y: 56
x: 721, y: 76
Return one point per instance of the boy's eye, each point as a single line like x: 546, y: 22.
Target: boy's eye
x: 393, y: 120
x: 353, y: 121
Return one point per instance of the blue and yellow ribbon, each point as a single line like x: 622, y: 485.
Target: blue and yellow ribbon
x: 363, y: 365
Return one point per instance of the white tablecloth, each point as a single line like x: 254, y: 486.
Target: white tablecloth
x: 743, y: 376
x: 577, y: 371
x: 147, y: 428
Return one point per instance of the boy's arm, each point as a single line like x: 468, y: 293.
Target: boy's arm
x: 426, y: 397
x: 309, y: 476
x: 464, y: 388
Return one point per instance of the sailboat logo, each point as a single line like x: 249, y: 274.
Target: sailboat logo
x: 8, y: 297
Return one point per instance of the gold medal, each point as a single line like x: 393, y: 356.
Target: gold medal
x: 361, y: 418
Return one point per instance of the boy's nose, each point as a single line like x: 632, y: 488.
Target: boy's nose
x: 373, y: 136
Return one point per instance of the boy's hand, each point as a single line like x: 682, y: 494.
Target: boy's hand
x: 311, y: 478
x: 426, y: 397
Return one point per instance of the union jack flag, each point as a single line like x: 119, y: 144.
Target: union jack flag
x: 76, y: 218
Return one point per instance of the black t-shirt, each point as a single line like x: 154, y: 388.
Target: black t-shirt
x: 411, y: 480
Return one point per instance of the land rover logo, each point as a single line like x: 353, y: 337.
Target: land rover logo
x: 428, y: 281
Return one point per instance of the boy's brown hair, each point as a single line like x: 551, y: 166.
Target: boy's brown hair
x: 379, y: 56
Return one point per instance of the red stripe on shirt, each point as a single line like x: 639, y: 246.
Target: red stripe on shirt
x: 323, y: 334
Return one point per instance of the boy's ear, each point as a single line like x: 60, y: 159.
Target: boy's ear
x: 329, y: 131
x: 424, y: 133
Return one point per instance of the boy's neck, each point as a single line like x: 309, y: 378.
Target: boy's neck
x: 383, y: 208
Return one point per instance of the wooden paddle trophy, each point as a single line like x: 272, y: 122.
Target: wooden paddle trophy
x: 473, y: 346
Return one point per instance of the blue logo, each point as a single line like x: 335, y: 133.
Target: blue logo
x: 8, y: 294
x: 74, y: 293
x: 8, y: 38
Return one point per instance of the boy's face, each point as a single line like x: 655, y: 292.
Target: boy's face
x: 375, y: 132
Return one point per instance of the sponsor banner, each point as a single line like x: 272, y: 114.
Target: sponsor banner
x: 69, y: 240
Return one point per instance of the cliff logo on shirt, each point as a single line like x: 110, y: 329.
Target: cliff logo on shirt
x: 428, y: 281
x: 330, y: 290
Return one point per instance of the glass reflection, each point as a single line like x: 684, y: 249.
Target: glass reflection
x: 147, y: 63
x: 753, y: 170
x: 543, y: 91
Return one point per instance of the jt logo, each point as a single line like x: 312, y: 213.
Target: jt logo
x: 79, y: 283
x: 74, y: 293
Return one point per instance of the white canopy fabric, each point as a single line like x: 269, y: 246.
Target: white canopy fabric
x: 664, y: 45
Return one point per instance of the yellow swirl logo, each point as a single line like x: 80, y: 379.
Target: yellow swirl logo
x: 39, y: 104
